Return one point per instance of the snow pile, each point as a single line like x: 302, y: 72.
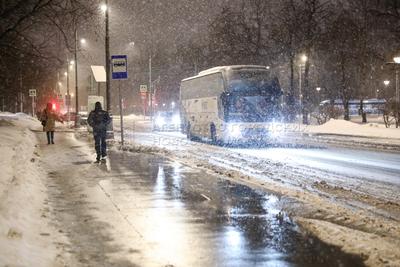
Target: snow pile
x: 342, y: 127
x: 25, y: 239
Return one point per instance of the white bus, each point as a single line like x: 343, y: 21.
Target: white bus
x: 230, y: 104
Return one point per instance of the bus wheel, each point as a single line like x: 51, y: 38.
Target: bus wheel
x: 213, y: 133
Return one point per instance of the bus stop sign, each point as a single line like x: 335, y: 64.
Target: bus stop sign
x: 119, y: 64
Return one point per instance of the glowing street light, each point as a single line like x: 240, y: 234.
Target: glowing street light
x: 386, y: 82
x: 103, y: 7
x: 396, y: 62
x: 318, y: 89
x: 83, y: 41
x: 303, y: 59
x: 66, y: 74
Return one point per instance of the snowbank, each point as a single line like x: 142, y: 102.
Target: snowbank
x: 342, y: 127
x: 25, y: 237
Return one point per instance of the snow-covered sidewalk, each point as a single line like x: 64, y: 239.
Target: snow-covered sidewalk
x: 352, y: 134
x: 25, y: 236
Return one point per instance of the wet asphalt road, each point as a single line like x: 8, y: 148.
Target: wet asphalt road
x: 194, y: 219
x: 376, y: 166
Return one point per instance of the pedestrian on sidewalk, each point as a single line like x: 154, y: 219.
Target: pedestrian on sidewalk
x: 49, y: 118
x: 99, y: 119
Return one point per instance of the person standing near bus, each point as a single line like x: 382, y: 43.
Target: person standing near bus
x: 99, y: 119
x: 49, y: 118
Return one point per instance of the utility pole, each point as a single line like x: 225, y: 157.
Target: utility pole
x: 68, y: 95
x: 151, y: 91
x: 107, y: 45
x: 21, y: 94
x: 397, y: 86
x: 76, y: 77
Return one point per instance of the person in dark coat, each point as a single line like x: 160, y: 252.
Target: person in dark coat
x: 49, y: 118
x: 99, y: 119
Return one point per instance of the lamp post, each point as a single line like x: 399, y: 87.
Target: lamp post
x: 151, y: 91
x: 105, y: 9
x: 397, y: 61
x: 303, y: 60
x: 319, y: 96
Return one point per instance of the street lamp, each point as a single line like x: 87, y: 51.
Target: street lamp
x: 386, y: 83
x: 83, y: 41
x: 103, y: 7
x: 303, y: 60
x: 319, y: 98
x: 397, y: 61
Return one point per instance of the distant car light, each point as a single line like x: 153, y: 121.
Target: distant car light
x: 176, y: 120
x: 160, y: 121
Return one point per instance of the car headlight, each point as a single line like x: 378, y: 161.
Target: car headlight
x: 176, y: 120
x: 160, y: 121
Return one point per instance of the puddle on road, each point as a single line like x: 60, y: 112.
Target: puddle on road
x: 199, y: 220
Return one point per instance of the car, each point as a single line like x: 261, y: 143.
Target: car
x: 166, y: 121
x: 81, y: 117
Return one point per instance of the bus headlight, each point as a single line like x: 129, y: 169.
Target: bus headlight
x: 235, y: 132
x: 275, y: 129
x: 176, y: 120
x: 160, y: 121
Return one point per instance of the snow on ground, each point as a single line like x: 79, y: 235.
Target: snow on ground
x: 342, y: 127
x: 25, y: 237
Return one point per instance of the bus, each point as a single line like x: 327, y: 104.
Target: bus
x: 230, y: 104
x: 371, y: 106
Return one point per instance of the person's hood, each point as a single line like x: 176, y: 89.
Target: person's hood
x: 97, y: 106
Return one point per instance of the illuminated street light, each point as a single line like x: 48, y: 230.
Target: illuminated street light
x: 303, y: 60
x: 72, y: 62
x: 318, y: 89
x: 386, y: 82
x: 83, y: 41
x: 65, y: 74
x: 397, y: 62
x: 103, y: 7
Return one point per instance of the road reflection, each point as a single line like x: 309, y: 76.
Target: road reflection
x: 191, y: 218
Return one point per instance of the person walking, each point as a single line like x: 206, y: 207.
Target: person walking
x: 99, y: 119
x: 49, y: 118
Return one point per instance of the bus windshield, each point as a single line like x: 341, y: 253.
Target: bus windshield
x: 251, y: 108
x: 252, y: 96
x: 254, y: 81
